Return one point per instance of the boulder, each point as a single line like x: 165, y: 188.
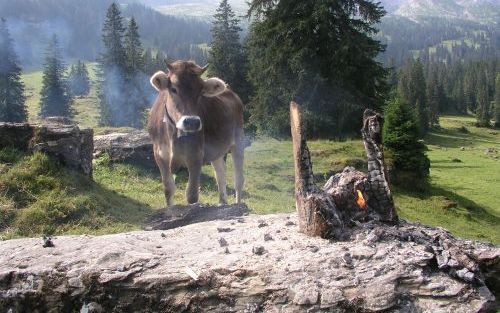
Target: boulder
x: 378, y: 268
x: 66, y: 143
x: 134, y: 148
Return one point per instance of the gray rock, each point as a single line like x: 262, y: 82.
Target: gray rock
x: 134, y: 148
x: 67, y: 144
x: 128, y: 273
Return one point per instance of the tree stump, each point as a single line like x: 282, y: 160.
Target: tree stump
x: 380, y: 196
x: 348, y: 197
x: 318, y: 215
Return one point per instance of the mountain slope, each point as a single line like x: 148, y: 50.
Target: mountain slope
x: 203, y: 9
x: 78, y: 25
x: 482, y: 11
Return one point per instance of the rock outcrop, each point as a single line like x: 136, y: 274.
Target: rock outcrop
x: 66, y: 143
x: 134, y: 148
x: 251, y: 264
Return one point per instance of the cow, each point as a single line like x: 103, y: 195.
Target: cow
x: 195, y: 121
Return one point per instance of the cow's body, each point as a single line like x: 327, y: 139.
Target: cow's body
x: 184, y: 100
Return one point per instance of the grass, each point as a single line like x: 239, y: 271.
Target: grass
x: 37, y: 196
x: 463, y: 195
x: 86, y: 110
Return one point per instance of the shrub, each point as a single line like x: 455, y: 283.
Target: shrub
x: 406, y: 153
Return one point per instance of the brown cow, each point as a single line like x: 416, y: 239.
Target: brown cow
x: 193, y: 122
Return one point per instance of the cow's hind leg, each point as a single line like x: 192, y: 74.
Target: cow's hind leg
x: 220, y: 174
x: 163, y: 162
x: 238, y: 157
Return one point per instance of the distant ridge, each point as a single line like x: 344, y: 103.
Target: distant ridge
x: 481, y: 11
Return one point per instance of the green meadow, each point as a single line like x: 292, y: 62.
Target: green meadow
x: 38, y: 197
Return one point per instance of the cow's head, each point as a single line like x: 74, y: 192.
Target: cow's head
x: 181, y: 89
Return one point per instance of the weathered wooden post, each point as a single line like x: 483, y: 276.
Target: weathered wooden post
x: 380, y: 196
x: 317, y: 213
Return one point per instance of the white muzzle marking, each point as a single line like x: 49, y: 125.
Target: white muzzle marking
x: 181, y: 124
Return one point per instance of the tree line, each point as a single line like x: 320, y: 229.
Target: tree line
x: 77, y: 25
x: 123, y: 89
x: 435, y: 88
x: 435, y: 39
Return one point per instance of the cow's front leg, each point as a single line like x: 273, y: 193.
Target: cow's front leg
x: 162, y: 158
x: 192, y: 190
x: 220, y: 175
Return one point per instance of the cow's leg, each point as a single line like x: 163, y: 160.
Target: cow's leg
x: 162, y: 157
x: 238, y: 156
x: 192, y: 190
x: 220, y: 174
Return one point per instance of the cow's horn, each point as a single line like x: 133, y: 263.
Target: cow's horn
x: 168, y: 63
x: 203, y: 69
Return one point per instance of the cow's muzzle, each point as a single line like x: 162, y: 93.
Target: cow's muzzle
x: 189, y: 124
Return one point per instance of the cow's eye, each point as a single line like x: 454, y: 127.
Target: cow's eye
x: 173, y: 90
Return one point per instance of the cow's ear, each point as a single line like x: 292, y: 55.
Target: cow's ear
x: 213, y: 87
x: 159, y: 81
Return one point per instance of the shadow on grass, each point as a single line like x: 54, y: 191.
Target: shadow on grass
x: 475, y: 212
x: 450, y: 138
x: 452, y: 166
x: 117, y: 207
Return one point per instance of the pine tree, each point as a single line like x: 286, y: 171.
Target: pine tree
x: 159, y: 62
x: 434, y: 93
x: 317, y: 54
x: 133, y: 48
x: 56, y: 99
x: 112, y: 70
x: 417, y: 96
x: 149, y: 65
x: 497, y: 101
x: 226, y: 56
x: 12, y: 99
x: 78, y: 79
x: 402, y: 144
x: 136, y: 99
x: 483, y: 101
x: 112, y: 37
x: 412, y: 89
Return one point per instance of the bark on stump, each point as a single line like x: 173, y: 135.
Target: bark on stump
x: 318, y: 215
x: 379, y: 193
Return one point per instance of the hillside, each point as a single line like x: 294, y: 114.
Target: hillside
x: 463, y: 180
x: 203, y: 9
x: 459, y: 29
x: 78, y: 25
x: 481, y: 11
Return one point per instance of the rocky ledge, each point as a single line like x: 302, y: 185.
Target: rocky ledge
x: 251, y: 264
